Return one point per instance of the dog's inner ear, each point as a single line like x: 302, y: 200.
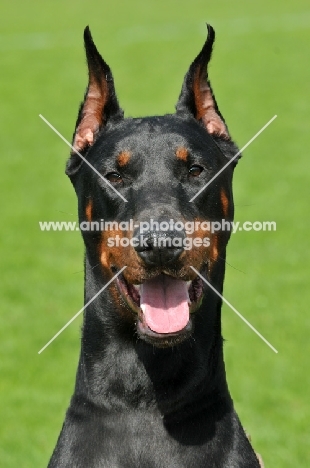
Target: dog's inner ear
x: 206, y: 108
x: 91, y: 119
x: 197, y: 97
x: 100, y: 102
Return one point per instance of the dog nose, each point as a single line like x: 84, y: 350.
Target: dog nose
x: 159, y: 248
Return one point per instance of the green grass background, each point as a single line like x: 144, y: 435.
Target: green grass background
x: 260, y: 68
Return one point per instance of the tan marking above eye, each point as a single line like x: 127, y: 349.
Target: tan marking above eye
x: 181, y: 153
x: 123, y: 158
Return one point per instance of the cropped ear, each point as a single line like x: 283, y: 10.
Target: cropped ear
x: 197, y: 97
x: 100, y: 104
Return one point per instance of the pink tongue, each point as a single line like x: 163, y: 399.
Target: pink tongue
x: 164, y: 303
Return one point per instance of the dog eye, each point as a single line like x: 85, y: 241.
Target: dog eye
x: 195, y: 170
x: 113, y: 177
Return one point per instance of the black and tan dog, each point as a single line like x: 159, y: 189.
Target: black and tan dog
x: 151, y: 388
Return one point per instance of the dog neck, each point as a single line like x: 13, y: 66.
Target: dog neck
x: 189, y: 375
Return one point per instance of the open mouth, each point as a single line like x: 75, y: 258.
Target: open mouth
x: 163, y: 306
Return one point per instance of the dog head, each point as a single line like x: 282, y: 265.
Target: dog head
x: 159, y: 183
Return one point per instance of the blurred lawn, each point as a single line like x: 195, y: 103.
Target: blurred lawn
x: 260, y: 68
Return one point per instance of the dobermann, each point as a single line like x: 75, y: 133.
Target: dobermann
x: 151, y: 388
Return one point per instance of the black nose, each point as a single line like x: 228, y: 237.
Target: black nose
x: 158, y: 248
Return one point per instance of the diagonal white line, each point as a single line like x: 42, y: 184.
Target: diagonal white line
x: 235, y: 310
x: 82, y: 157
x: 233, y: 158
x: 80, y: 311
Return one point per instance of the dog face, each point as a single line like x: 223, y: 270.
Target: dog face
x: 157, y: 164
